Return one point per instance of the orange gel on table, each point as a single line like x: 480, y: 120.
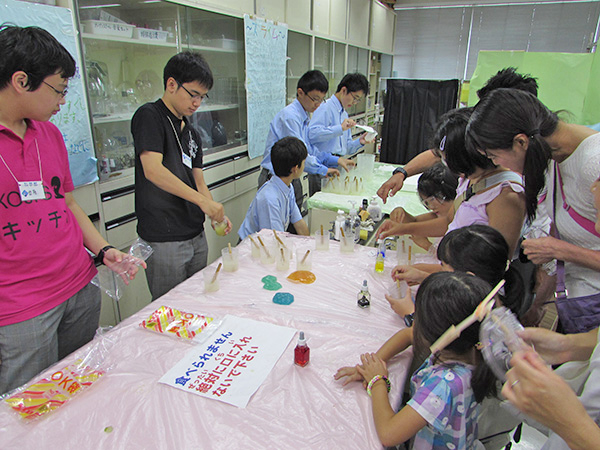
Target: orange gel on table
x: 302, y: 276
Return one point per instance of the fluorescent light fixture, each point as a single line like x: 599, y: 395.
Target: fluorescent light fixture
x: 109, y: 5
x: 152, y: 1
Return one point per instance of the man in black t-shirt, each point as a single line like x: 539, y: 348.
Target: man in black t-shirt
x: 171, y: 196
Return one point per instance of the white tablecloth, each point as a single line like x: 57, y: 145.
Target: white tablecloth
x: 294, y: 408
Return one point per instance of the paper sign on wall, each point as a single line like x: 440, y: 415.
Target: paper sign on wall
x: 232, y: 364
x: 266, y: 49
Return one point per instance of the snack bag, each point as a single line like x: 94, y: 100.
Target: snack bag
x: 50, y: 393
x: 176, y: 323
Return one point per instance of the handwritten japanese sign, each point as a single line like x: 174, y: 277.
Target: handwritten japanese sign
x: 266, y: 49
x: 232, y: 364
x: 73, y: 119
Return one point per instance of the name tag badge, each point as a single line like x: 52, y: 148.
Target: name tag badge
x: 187, y: 160
x: 31, y: 190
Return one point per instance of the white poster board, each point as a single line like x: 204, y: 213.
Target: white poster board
x: 73, y: 120
x: 233, y: 362
x: 266, y: 52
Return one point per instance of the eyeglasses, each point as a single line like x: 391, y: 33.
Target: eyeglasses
x: 62, y: 93
x: 195, y: 97
x: 355, y: 99
x: 428, y: 202
x: 315, y: 100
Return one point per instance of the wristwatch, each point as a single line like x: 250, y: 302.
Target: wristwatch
x: 400, y: 170
x: 99, y: 259
x: 409, y: 319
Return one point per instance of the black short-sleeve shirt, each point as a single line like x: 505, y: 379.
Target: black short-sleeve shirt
x: 163, y: 217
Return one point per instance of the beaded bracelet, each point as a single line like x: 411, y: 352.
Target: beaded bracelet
x: 375, y: 379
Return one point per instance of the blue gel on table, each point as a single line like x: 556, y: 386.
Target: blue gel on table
x: 283, y: 298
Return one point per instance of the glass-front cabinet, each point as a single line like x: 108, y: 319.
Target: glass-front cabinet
x: 323, y: 58
x: 358, y: 61
x: 221, y: 118
x: 299, y: 61
x: 126, y: 47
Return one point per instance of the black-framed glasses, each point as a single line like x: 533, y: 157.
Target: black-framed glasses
x: 195, y: 97
x: 315, y: 100
x: 62, y: 93
x: 356, y: 99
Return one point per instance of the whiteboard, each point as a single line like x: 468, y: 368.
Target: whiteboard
x: 73, y: 120
x: 266, y: 49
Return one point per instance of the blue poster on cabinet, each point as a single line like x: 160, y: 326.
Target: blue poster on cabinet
x: 73, y: 119
x: 266, y: 50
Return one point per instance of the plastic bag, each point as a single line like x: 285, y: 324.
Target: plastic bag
x: 172, y: 322
x: 58, y: 386
x: 113, y: 282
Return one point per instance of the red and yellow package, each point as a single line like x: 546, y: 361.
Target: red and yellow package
x: 50, y: 393
x: 177, y: 323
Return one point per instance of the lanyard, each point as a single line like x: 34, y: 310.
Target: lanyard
x: 176, y: 135
x: 39, y: 163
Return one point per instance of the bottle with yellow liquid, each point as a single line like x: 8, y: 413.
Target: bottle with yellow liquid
x: 380, y: 259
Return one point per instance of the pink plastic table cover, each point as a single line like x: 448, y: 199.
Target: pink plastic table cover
x: 295, y: 408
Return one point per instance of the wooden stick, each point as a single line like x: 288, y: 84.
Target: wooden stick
x: 403, y: 246
x: 279, y: 240
x: 305, y: 256
x: 478, y: 315
x: 214, y: 278
x: 322, y: 234
x: 263, y: 246
x: 409, y: 253
x: 254, y: 242
x: 343, y: 235
x: 282, y: 254
x: 229, y: 247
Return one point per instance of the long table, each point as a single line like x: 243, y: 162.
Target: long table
x: 296, y: 407
x: 323, y: 206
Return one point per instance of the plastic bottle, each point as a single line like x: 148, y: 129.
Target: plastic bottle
x: 374, y: 209
x: 380, y: 258
x: 339, y: 223
x: 364, y: 296
x: 365, y: 204
x: 353, y: 221
x: 301, y: 352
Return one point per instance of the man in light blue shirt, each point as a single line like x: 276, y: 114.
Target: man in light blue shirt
x: 274, y: 206
x: 330, y: 128
x: 293, y: 120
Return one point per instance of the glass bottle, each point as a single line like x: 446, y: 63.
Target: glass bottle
x: 301, y: 352
x: 364, y: 296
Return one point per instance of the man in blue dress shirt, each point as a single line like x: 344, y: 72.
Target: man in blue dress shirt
x: 274, y: 206
x: 293, y: 120
x: 330, y: 128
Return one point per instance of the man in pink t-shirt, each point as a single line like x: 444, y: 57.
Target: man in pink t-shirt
x: 48, y: 308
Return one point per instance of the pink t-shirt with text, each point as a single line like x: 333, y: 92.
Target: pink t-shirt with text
x: 42, y: 258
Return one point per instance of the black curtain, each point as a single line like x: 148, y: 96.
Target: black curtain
x: 412, y: 108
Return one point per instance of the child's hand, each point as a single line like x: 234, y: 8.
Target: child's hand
x: 421, y: 241
x: 371, y: 365
x: 410, y: 274
x: 390, y: 228
x: 350, y: 373
x: 401, y: 306
x: 397, y: 215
